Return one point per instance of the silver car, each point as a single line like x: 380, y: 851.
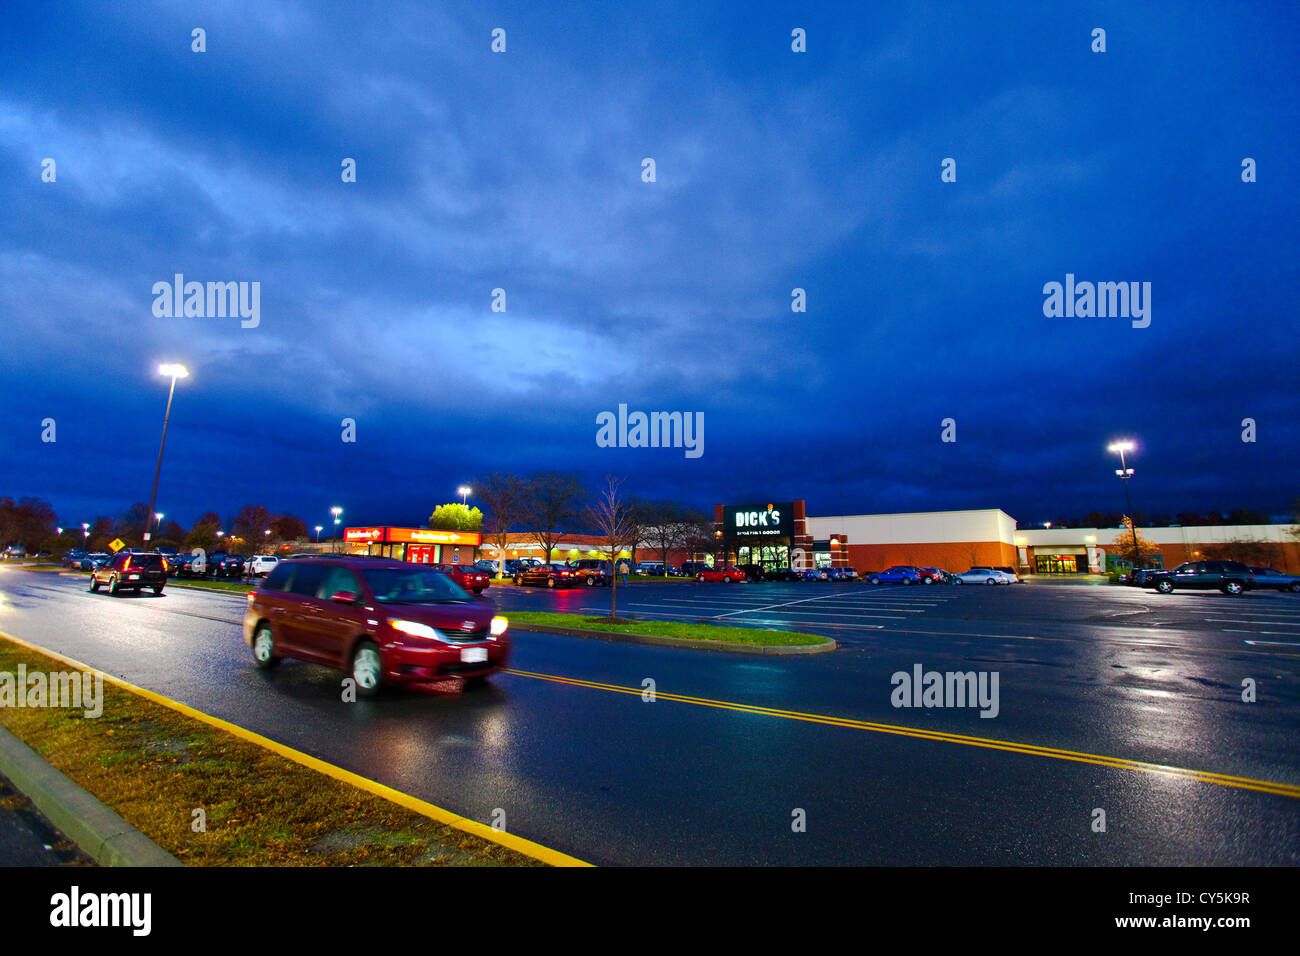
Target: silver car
x: 983, y: 576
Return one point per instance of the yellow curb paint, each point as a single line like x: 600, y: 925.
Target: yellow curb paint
x: 1033, y: 750
x: 526, y: 847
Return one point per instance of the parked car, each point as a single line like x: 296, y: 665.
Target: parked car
x: 466, y: 575
x: 593, y: 572
x: 727, y: 575
x: 850, y: 574
x: 549, y: 575
x: 1230, y: 577
x: 487, y: 565
x: 1273, y: 578
x: 380, y: 621
x: 15, y: 552
x: 1009, y: 572
x: 260, y: 565
x: 515, y: 565
x: 1140, y: 576
x: 131, y: 571
x: 691, y: 568
x: 981, y: 576
x: 654, y: 569
x: 899, y: 574
x: 73, y: 558
x: 95, y: 559
x: 753, y: 572
x: 938, y: 575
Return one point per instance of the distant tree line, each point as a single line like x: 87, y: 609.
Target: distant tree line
x: 1187, y: 519
x: 33, y: 524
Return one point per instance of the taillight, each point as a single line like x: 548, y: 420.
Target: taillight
x: 127, y: 565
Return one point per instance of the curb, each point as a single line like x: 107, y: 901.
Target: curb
x: 829, y: 645
x: 101, y: 833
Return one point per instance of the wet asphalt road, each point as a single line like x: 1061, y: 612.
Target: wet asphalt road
x: 1101, y: 672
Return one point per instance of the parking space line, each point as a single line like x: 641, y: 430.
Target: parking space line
x: 1275, y: 643
x: 1010, y: 746
x: 1228, y: 620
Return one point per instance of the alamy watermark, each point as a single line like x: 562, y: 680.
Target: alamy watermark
x: 76, y: 690
x: 922, y: 688
x: 1105, y: 300
x: 213, y: 300
x: 653, y: 430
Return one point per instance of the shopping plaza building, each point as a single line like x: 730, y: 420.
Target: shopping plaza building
x: 782, y: 534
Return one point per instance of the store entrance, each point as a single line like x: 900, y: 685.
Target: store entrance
x: 1057, y: 564
x: 772, y: 557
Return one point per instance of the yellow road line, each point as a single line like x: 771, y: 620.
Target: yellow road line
x: 1033, y: 750
x: 527, y: 847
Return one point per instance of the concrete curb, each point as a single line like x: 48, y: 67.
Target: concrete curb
x: 829, y: 645
x: 101, y: 833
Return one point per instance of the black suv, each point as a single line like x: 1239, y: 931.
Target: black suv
x: 131, y: 571
x: 1230, y: 577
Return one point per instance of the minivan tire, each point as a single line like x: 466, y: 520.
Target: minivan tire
x: 366, y: 656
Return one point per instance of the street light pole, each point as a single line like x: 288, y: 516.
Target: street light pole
x: 1126, y: 473
x: 175, y: 371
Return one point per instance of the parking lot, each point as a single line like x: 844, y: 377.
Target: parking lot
x: 857, y: 613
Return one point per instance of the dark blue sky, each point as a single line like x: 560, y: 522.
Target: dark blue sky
x: 775, y: 170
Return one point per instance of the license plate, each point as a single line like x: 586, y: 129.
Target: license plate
x: 473, y: 655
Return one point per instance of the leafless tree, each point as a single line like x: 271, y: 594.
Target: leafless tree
x: 551, y: 501
x: 505, y: 497
x: 611, y: 517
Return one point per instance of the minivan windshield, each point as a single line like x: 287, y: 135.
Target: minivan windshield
x: 414, y: 586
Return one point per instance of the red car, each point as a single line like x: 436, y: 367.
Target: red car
x: 379, y: 621
x: 466, y: 575
x: 726, y: 575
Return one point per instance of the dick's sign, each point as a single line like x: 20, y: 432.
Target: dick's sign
x: 759, y: 521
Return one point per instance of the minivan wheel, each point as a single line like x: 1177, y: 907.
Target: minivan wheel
x: 1233, y: 587
x: 367, y: 669
x: 591, y: 581
x: 1164, y: 587
x: 264, y: 648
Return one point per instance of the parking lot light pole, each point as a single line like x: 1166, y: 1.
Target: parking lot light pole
x: 175, y: 371
x: 1126, y: 473
x: 464, y: 491
x: 337, y: 512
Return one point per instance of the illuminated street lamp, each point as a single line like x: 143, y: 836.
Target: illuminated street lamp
x: 463, y: 491
x: 337, y: 512
x: 85, y: 529
x: 1125, y: 473
x: 319, y: 529
x: 175, y: 371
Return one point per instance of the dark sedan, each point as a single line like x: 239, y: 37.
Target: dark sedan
x: 1266, y: 578
x: 549, y: 576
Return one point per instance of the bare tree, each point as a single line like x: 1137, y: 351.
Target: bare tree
x: 505, y: 496
x: 611, y: 516
x: 552, y: 500
x: 664, y: 527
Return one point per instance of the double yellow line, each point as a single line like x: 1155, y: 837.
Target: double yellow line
x: 1032, y: 750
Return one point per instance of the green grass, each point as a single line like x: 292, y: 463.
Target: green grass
x: 210, y: 585
x: 679, y: 629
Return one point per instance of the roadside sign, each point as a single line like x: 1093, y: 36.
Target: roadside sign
x: 116, y: 545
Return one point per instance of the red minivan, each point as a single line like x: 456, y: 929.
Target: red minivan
x: 379, y: 621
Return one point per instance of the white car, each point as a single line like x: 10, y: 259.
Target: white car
x: 983, y: 576
x: 260, y: 565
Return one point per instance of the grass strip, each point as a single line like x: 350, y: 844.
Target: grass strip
x: 679, y: 629
x: 155, y: 767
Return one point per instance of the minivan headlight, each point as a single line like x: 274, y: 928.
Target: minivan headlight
x: 415, y: 629
x: 499, y: 625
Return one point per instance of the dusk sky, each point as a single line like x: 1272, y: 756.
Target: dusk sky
x: 774, y: 170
